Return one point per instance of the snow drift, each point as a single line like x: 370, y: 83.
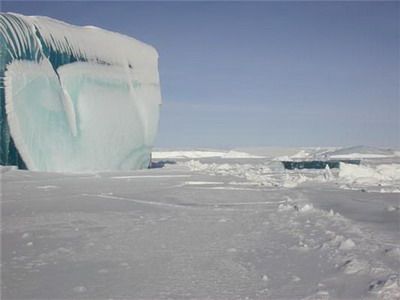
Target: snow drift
x: 75, y: 98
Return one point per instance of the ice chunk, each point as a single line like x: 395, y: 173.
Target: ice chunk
x: 71, y: 100
x: 347, y: 245
x: 384, y: 173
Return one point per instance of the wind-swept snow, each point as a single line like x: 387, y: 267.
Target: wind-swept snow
x: 205, y: 228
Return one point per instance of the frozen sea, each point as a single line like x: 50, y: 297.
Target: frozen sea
x: 206, y: 224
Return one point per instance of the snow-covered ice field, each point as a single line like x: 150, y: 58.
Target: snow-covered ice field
x: 206, y: 225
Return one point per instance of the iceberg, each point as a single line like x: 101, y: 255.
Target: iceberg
x: 75, y: 99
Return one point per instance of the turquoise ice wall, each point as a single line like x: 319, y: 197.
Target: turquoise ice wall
x: 9, y: 154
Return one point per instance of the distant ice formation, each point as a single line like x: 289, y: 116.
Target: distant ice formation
x: 179, y: 154
x: 75, y: 99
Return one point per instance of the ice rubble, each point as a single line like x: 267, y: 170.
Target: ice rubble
x: 380, y: 178
x: 75, y: 98
x: 372, y: 175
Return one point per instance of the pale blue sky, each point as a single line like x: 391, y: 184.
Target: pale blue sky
x: 262, y: 73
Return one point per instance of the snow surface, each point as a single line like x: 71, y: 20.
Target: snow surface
x: 203, y: 228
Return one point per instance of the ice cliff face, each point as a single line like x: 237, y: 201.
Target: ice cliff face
x: 75, y: 99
